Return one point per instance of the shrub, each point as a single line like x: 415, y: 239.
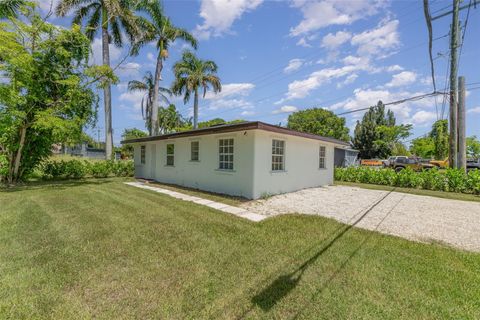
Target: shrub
x: 452, y: 180
x: 77, y: 169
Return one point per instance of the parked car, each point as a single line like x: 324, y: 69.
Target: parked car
x: 389, y: 162
x: 473, y: 164
x: 402, y: 162
x: 440, y: 163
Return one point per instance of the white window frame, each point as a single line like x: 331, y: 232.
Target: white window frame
x: 278, y: 155
x: 192, y: 152
x: 322, y: 157
x: 226, y: 151
x: 143, y: 154
x: 170, y: 155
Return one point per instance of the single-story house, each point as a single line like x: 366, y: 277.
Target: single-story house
x: 345, y: 157
x: 248, y: 159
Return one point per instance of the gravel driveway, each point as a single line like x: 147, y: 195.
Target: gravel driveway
x: 420, y: 218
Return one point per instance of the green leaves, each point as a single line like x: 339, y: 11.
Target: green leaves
x: 450, y: 180
x: 319, y: 121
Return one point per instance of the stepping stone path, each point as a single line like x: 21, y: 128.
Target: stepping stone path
x: 239, y: 212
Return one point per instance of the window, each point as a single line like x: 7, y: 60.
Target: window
x: 225, y: 152
x: 194, y: 149
x: 170, y: 154
x: 142, y: 154
x: 321, y: 157
x: 278, y: 160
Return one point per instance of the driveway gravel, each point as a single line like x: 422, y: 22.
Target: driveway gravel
x: 420, y: 218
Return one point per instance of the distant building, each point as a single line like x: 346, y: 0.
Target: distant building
x: 345, y: 157
x: 83, y: 150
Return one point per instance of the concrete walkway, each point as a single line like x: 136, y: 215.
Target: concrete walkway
x: 239, y: 212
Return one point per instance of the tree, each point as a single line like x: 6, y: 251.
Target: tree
x: 389, y: 139
x: 111, y: 17
x: 440, y: 137
x: 423, y: 147
x: 47, y: 97
x: 127, y: 149
x: 473, y: 147
x: 319, y: 121
x: 170, y: 120
x: 163, y: 33
x: 372, y: 136
x: 148, y: 86
x: 192, y: 74
x: 10, y: 8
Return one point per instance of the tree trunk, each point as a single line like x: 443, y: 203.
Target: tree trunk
x: 195, y: 110
x: 156, y: 94
x: 107, y: 91
x: 18, y: 157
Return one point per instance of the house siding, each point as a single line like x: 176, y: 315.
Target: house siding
x: 203, y: 174
x: 301, y: 158
x: 252, y: 176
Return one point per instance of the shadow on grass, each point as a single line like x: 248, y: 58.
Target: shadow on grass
x: 57, y: 184
x: 284, y: 284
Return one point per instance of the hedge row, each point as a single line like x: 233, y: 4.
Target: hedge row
x: 451, y: 180
x: 77, y: 169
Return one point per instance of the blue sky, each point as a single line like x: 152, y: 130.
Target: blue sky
x: 276, y: 57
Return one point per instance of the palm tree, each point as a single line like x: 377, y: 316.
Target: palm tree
x: 170, y: 119
x: 164, y: 33
x: 110, y: 16
x: 148, y: 86
x: 192, y: 74
x: 9, y: 8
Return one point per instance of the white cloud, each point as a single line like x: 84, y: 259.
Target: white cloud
x: 151, y: 57
x: 247, y: 113
x: 97, y: 52
x: 474, y: 110
x: 134, y: 98
x: 303, y: 43
x: 46, y: 5
x: 394, y: 68
x: 285, y: 109
x: 301, y: 88
x: 231, y: 89
x: 219, y: 15
x: 403, y: 78
x: 293, y: 65
x: 378, y: 41
x: 349, y: 80
x: 333, y: 41
x: 322, y: 13
x: 129, y: 69
x: 424, y: 117
x: 229, y: 104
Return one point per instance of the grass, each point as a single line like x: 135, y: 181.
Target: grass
x: 227, y: 199
x: 420, y: 192
x: 102, y: 249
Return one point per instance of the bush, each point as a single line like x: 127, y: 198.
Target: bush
x: 77, y: 169
x: 452, y: 180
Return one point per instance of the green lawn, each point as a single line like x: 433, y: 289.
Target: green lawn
x: 419, y: 192
x: 102, y: 249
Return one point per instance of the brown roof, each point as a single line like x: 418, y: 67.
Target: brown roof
x: 250, y: 125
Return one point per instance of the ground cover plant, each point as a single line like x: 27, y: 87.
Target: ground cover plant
x: 450, y: 180
x: 101, y: 249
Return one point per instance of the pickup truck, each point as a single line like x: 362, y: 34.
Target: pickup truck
x: 440, y: 163
x: 402, y: 162
x: 473, y: 164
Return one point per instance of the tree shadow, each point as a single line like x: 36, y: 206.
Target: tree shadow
x: 284, y: 284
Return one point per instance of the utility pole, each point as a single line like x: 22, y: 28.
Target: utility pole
x: 462, y: 143
x: 453, y: 156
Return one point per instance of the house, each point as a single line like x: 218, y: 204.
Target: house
x: 248, y: 159
x: 345, y: 157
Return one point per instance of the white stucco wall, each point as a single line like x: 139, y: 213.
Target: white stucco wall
x: 301, y: 164
x: 203, y: 174
x: 252, y: 176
